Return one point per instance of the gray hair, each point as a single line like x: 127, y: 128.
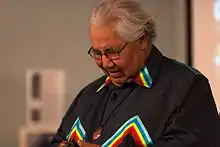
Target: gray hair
x: 127, y: 18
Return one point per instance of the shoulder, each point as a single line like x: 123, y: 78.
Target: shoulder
x: 91, y: 88
x: 180, y: 72
x: 180, y: 77
x: 86, y: 93
x: 95, y: 85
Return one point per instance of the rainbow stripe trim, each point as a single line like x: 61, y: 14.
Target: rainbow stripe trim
x: 107, y: 81
x: 77, y: 132
x: 143, y: 78
x: 135, y: 128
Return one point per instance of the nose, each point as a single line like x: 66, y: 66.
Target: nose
x: 106, y: 62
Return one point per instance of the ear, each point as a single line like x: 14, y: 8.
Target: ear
x: 143, y: 42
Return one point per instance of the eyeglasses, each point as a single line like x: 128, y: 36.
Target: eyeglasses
x: 110, y: 53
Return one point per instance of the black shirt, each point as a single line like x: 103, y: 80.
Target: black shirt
x: 169, y: 105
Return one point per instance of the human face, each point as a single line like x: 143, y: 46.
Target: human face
x: 130, y: 58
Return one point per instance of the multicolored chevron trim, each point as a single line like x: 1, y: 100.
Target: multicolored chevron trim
x: 77, y: 132
x: 143, y: 78
x: 107, y: 81
x: 135, y: 128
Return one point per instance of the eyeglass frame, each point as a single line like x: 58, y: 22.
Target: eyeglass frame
x: 106, y: 53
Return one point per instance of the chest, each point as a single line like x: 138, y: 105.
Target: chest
x: 135, y: 114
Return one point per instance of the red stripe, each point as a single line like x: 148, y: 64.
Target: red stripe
x: 136, y: 137
x: 139, y: 80
x: 119, y: 141
x: 107, y: 81
x: 134, y: 134
x: 74, y: 136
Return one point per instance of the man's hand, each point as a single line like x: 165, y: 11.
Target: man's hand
x: 82, y: 143
x: 62, y: 145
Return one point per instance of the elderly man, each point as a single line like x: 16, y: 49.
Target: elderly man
x: 145, y: 98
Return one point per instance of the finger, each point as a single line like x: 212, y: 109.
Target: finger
x: 80, y: 142
x: 62, y: 145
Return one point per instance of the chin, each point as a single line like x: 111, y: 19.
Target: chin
x: 118, y: 81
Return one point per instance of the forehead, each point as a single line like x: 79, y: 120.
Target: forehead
x: 103, y: 36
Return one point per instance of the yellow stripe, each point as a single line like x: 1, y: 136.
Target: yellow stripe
x: 71, y: 133
x: 78, y: 134
x: 120, y: 135
x: 140, y: 135
x: 107, y: 78
x: 103, y: 84
x: 143, y: 80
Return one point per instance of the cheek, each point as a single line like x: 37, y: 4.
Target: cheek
x: 129, y: 65
x: 125, y: 63
x: 99, y: 64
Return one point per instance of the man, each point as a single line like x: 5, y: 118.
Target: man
x: 145, y: 98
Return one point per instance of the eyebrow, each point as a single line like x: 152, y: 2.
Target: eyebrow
x: 111, y: 49
x: 108, y: 48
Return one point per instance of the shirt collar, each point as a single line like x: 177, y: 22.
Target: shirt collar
x: 147, y: 74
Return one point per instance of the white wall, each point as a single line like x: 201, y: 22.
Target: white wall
x: 53, y: 33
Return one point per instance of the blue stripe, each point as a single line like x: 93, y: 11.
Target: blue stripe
x: 73, y: 126
x: 79, y: 127
x: 143, y: 131
x: 147, y: 77
x: 81, y: 132
x: 121, y: 129
x: 136, y: 119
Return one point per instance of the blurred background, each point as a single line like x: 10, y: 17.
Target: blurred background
x: 46, y: 42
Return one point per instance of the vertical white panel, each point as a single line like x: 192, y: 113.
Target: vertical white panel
x: 48, y: 107
x: 206, y: 41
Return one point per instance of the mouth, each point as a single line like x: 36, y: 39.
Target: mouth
x: 114, y: 73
